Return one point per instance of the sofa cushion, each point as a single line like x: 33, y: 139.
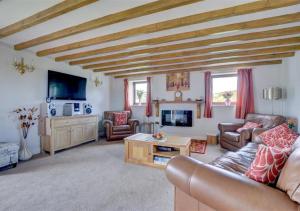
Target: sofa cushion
x: 121, y: 128
x: 267, y: 164
x: 237, y: 162
x: 249, y: 125
x: 232, y: 136
x: 120, y: 118
x: 281, y: 136
x: 289, y: 179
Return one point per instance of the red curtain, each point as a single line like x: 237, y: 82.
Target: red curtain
x: 245, y: 96
x: 148, y: 102
x: 208, y: 95
x: 126, y: 98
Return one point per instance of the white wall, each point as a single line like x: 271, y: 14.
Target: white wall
x: 291, y: 81
x: 264, y: 76
x: 30, y: 89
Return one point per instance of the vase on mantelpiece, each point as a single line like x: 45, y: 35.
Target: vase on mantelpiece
x: 227, y: 102
x: 24, y: 152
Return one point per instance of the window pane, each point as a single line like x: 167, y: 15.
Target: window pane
x: 224, y: 86
x: 140, y: 89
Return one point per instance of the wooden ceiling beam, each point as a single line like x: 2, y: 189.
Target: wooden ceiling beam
x: 179, y: 22
x: 230, y: 55
x: 272, y: 21
x: 195, y: 52
x: 43, y: 16
x: 204, y: 63
x: 240, y: 65
x: 135, y: 12
x: 241, y: 37
x: 219, y: 49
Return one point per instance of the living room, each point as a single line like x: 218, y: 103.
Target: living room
x: 145, y: 105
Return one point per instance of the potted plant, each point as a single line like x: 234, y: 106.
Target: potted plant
x: 227, y: 96
x: 140, y: 94
x: 27, y: 118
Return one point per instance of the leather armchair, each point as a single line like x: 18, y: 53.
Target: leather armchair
x: 119, y: 132
x: 232, y: 140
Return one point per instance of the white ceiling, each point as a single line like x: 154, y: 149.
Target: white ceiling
x: 15, y: 10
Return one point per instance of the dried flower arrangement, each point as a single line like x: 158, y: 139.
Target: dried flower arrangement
x: 27, y: 117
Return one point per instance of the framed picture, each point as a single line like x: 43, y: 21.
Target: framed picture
x: 178, y: 81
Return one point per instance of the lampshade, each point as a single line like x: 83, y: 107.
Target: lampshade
x: 273, y: 93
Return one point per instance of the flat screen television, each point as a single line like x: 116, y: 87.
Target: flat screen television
x: 63, y: 86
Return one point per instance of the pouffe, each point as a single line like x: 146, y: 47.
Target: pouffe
x: 8, y: 154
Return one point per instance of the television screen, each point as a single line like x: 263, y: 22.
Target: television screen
x: 66, y: 87
x: 179, y: 118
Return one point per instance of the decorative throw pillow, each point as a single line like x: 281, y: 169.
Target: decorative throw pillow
x: 281, y: 136
x: 120, y: 118
x: 267, y: 164
x: 249, y: 125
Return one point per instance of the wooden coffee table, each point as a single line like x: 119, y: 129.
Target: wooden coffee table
x: 145, y: 150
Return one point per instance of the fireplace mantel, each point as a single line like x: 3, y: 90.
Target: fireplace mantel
x: 197, y: 102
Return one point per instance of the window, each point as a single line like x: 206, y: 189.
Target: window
x: 139, y: 92
x: 224, y: 88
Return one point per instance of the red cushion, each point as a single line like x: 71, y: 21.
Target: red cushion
x: 281, y: 136
x: 267, y: 164
x: 249, y: 125
x: 120, y: 118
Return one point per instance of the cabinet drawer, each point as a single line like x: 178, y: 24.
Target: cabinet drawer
x: 68, y: 122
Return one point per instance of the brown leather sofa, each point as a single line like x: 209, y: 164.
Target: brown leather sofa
x: 221, y: 185
x: 232, y: 140
x: 118, y: 132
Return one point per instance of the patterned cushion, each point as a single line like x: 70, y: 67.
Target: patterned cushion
x: 120, y: 118
x: 267, y: 164
x: 281, y: 136
x: 249, y: 125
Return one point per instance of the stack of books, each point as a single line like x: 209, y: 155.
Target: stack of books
x: 160, y: 160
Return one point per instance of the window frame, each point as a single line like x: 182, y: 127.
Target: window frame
x: 134, y: 91
x: 233, y: 103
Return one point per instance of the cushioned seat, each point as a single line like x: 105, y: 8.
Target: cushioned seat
x: 232, y: 136
x: 237, y: 162
x: 122, y: 128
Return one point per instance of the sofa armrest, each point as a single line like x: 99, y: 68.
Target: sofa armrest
x: 224, y: 190
x: 133, y: 124
x: 229, y: 127
x: 107, y: 123
x: 256, y: 132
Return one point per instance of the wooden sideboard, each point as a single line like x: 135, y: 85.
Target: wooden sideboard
x: 63, y: 132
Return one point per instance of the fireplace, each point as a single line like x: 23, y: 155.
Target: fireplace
x: 178, y: 118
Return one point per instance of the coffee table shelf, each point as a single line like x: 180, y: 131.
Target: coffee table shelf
x: 142, y: 149
x: 167, y: 154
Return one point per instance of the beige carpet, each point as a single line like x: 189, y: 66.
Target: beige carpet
x: 89, y: 177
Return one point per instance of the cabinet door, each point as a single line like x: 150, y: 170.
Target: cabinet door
x: 62, y: 138
x: 90, y: 131
x: 139, y: 152
x: 77, y: 134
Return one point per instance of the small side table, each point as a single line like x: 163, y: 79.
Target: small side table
x: 147, y: 127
